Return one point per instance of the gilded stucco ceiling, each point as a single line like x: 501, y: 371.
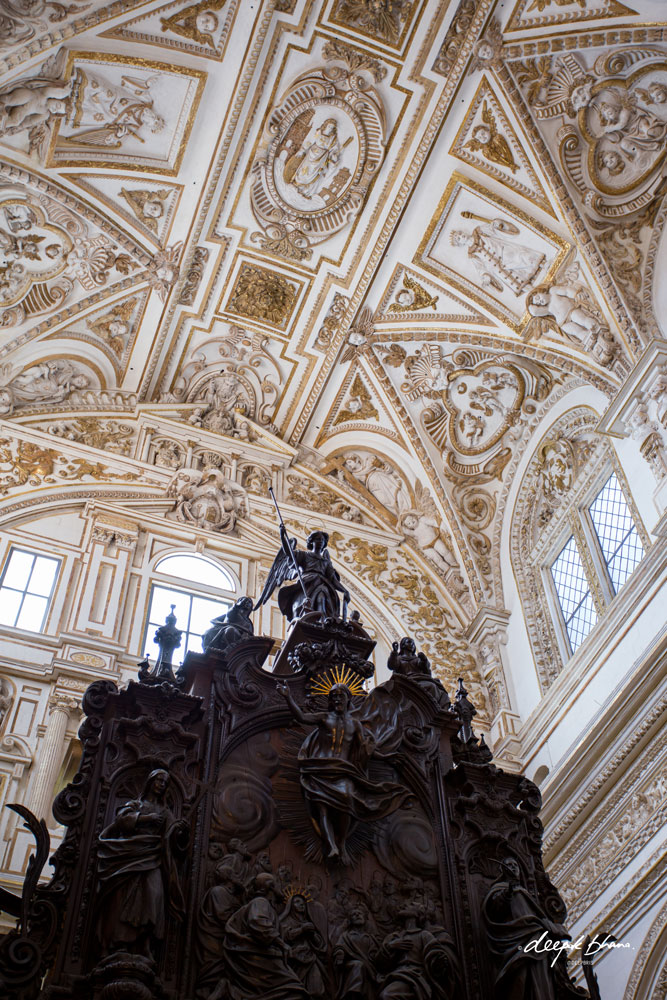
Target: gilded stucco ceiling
x: 382, y: 238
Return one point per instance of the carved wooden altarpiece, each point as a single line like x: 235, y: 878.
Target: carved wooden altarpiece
x: 237, y: 833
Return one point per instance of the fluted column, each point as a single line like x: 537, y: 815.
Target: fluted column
x: 51, y: 753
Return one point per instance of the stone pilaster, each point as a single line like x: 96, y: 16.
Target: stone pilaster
x: 51, y: 754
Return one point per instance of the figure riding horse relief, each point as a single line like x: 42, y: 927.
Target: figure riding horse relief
x: 246, y: 831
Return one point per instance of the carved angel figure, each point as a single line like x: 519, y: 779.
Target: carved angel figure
x: 487, y: 139
x: 208, y: 499
x: 500, y: 263
x: 568, y: 307
x: 423, y: 527
x: 412, y: 296
x: 49, y: 381
x: 33, y: 104
x: 319, y: 583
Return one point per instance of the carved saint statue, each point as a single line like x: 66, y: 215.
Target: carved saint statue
x: 500, y: 262
x: 418, y: 964
x: 307, y: 945
x: 138, y: 881
x: 319, y: 583
x: 353, y: 957
x: 313, y: 164
x: 332, y: 766
x: 208, y: 499
x: 513, y: 919
x: 255, y: 953
x: 404, y: 659
x: 47, y: 382
x: 229, y: 629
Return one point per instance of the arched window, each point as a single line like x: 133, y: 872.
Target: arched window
x: 609, y: 531
x: 199, y: 589
x: 576, y: 538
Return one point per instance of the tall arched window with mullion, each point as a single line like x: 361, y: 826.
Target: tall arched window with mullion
x: 616, y: 532
x: 201, y: 590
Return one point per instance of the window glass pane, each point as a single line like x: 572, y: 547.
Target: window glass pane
x: 18, y: 569
x: 197, y: 569
x: 32, y: 613
x: 573, y: 594
x: 616, y: 531
x: 193, y: 617
x: 42, y: 576
x: 163, y: 598
x: 581, y: 622
x: 202, y: 613
x: 10, y: 602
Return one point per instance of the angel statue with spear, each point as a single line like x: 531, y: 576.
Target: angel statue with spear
x: 319, y: 583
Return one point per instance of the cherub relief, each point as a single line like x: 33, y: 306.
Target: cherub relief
x: 423, y: 526
x: 34, y: 104
x: 493, y: 146
x: 412, y: 297
x: 198, y: 22
x: 567, y: 307
x: 148, y: 206
x: 115, y: 327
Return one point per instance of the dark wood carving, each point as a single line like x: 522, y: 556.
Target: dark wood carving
x: 237, y: 832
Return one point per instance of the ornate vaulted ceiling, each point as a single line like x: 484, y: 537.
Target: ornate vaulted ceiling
x: 382, y: 238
